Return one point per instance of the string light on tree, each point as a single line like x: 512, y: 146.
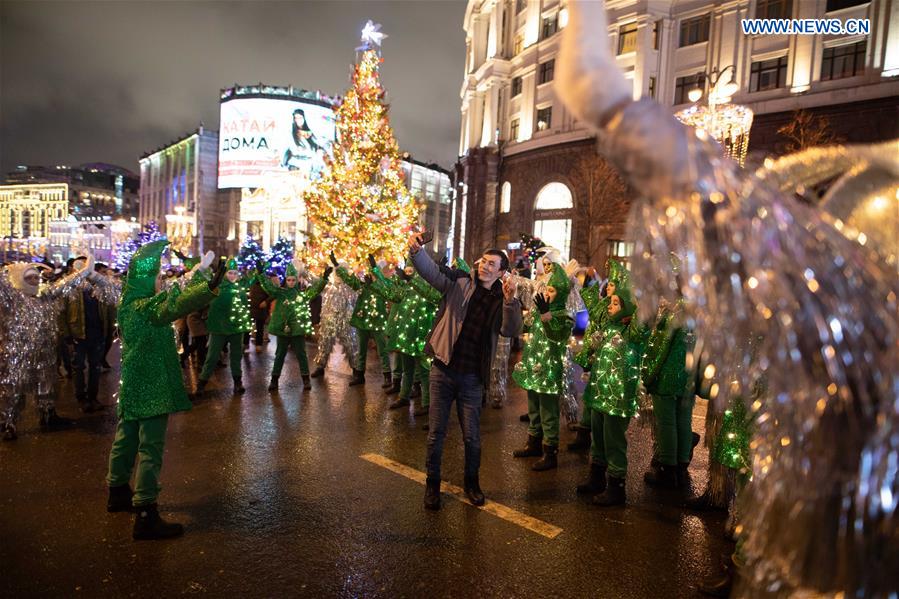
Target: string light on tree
x: 360, y: 205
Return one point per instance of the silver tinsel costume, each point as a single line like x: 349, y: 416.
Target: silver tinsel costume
x: 338, y: 301
x: 28, y: 332
x: 820, y: 515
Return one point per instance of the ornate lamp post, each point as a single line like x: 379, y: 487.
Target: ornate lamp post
x: 727, y: 123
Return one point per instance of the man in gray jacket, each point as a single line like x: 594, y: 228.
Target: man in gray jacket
x: 476, y: 308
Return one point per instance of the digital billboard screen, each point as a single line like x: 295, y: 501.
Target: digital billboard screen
x: 261, y: 137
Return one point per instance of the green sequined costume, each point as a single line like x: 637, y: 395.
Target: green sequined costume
x: 227, y: 322
x: 151, y: 381
x: 369, y: 319
x: 291, y: 320
x: 541, y: 369
x: 415, y: 305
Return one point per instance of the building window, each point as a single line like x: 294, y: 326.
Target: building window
x: 520, y: 5
x: 621, y: 251
x: 844, y: 61
x: 833, y: 5
x: 555, y: 233
x: 546, y: 71
x: 656, y: 34
x: 695, y: 30
x: 685, y: 84
x: 544, y: 118
x: 518, y: 46
x: 550, y: 26
x: 554, y: 196
x: 513, y: 129
x: 516, y: 86
x: 627, y: 38
x: 505, y: 198
x: 768, y: 74
x: 652, y: 87
x: 774, y: 9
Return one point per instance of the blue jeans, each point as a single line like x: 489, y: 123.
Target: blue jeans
x: 446, y: 387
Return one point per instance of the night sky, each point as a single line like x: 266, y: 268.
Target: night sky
x: 109, y: 81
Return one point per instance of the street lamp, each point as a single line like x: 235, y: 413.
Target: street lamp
x: 724, y: 94
x: 727, y: 123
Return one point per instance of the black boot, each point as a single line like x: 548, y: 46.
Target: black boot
x: 693, y: 446
x: 662, y: 476
x: 119, y: 499
x: 273, y: 385
x: 683, y: 475
x: 524, y: 418
x: 53, y: 421
x: 549, y: 460
x: 416, y: 391
x: 400, y: 402
x: 238, y: 386
x: 613, y: 495
x: 473, y: 490
x: 582, y: 441
x: 148, y: 526
x: 596, y: 481
x: 358, y: 378
x: 720, y: 584
x: 395, y: 388
x: 388, y: 381
x: 703, y: 503
x: 318, y: 372
x: 307, y: 382
x: 432, y: 494
x: 531, y: 449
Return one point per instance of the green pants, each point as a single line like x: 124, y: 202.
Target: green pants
x: 298, y: 343
x: 543, y: 416
x: 380, y: 345
x: 673, y: 428
x: 133, y: 438
x: 609, y: 445
x: 586, y: 416
x: 217, y: 343
x: 415, y: 370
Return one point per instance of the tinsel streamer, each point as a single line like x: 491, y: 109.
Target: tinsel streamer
x: 338, y: 301
x: 759, y: 261
x: 568, y: 404
x: 499, y: 371
x: 645, y: 414
x: 28, y: 332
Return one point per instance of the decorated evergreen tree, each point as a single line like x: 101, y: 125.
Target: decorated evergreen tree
x: 250, y: 253
x: 360, y: 205
x: 125, y: 250
x: 280, y: 255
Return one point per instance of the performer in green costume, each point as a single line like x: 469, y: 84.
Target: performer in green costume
x: 151, y: 385
x: 369, y: 319
x: 668, y: 381
x: 415, y: 305
x: 596, y: 309
x: 612, y: 399
x: 228, y: 320
x: 291, y: 321
x: 540, y: 370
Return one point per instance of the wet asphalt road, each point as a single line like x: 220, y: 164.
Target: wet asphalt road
x: 277, y: 502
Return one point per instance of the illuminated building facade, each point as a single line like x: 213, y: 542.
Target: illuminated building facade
x: 26, y: 212
x: 526, y: 165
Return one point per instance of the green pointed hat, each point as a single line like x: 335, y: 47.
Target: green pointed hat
x: 232, y: 264
x: 462, y: 265
x: 558, y: 280
x: 144, y: 268
x: 618, y: 273
x: 628, y: 304
x: 291, y: 270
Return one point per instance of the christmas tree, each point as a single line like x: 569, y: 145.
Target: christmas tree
x: 280, y: 255
x: 125, y: 250
x: 250, y: 253
x: 360, y: 205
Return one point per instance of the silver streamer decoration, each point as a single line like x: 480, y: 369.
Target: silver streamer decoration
x: 499, y: 372
x: 338, y: 301
x: 820, y: 514
x: 28, y: 332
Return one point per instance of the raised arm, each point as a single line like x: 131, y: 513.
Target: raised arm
x: 169, y: 306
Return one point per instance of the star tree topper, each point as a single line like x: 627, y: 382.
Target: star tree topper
x: 371, y: 36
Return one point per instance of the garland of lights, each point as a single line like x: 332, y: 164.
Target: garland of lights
x: 727, y: 123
